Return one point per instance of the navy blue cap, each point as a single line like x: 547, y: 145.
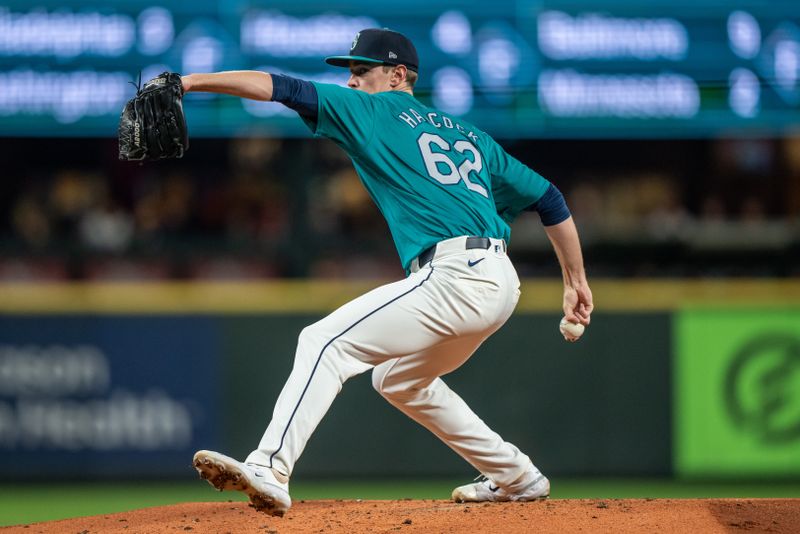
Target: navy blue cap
x: 376, y: 45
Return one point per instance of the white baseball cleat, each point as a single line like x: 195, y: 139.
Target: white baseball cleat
x: 533, y: 486
x: 267, y: 494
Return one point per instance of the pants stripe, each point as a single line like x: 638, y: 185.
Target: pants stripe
x: 321, y: 352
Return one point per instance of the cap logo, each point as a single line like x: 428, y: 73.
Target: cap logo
x: 355, y: 42
x: 392, y: 55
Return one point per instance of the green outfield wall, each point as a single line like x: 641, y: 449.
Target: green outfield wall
x: 696, y: 378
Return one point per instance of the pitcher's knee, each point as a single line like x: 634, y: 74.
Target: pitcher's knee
x: 391, y: 388
x: 378, y: 375
x: 309, y: 343
x: 383, y: 383
x: 310, y: 335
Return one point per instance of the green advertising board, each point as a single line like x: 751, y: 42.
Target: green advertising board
x: 737, y: 392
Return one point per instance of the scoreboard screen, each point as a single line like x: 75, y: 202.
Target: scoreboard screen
x: 518, y: 69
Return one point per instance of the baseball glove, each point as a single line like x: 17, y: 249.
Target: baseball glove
x: 152, y: 125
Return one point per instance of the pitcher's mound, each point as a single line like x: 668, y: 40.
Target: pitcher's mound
x: 590, y: 516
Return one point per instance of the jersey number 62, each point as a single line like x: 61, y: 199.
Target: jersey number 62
x: 454, y: 174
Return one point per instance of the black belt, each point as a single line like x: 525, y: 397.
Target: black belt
x: 472, y: 242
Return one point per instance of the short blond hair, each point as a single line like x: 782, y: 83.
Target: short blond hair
x: 411, y: 77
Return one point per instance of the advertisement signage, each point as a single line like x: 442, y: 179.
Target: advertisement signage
x: 118, y: 396
x: 737, y: 392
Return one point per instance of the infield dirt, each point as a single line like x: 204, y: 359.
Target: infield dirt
x: 405, y: 516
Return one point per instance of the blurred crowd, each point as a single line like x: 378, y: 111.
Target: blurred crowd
x: 264, y: 208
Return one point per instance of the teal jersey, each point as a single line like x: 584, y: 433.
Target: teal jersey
x: 432, y: 176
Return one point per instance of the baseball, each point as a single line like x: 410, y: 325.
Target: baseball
x: 571, y: 331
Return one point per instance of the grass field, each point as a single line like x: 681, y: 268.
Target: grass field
x: 29, y: 503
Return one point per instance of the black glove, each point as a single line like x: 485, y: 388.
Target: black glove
x: 152, y: 125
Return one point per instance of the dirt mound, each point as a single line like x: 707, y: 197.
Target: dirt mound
x: 613, y: 515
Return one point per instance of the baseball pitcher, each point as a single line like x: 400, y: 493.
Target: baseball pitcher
x: 448, y: 192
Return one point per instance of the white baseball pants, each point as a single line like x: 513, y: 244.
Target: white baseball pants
x: 409, y: 333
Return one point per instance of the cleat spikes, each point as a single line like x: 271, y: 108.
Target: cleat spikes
x: 266, y: 493
x: 264, y: 504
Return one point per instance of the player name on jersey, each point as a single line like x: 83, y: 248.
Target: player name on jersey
x: 413, y: 118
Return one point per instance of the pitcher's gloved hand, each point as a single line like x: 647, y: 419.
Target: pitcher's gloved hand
x: 152, y: 125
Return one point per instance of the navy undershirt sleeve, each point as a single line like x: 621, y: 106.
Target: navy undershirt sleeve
x: 296, y: 94
x: 552, y: 207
